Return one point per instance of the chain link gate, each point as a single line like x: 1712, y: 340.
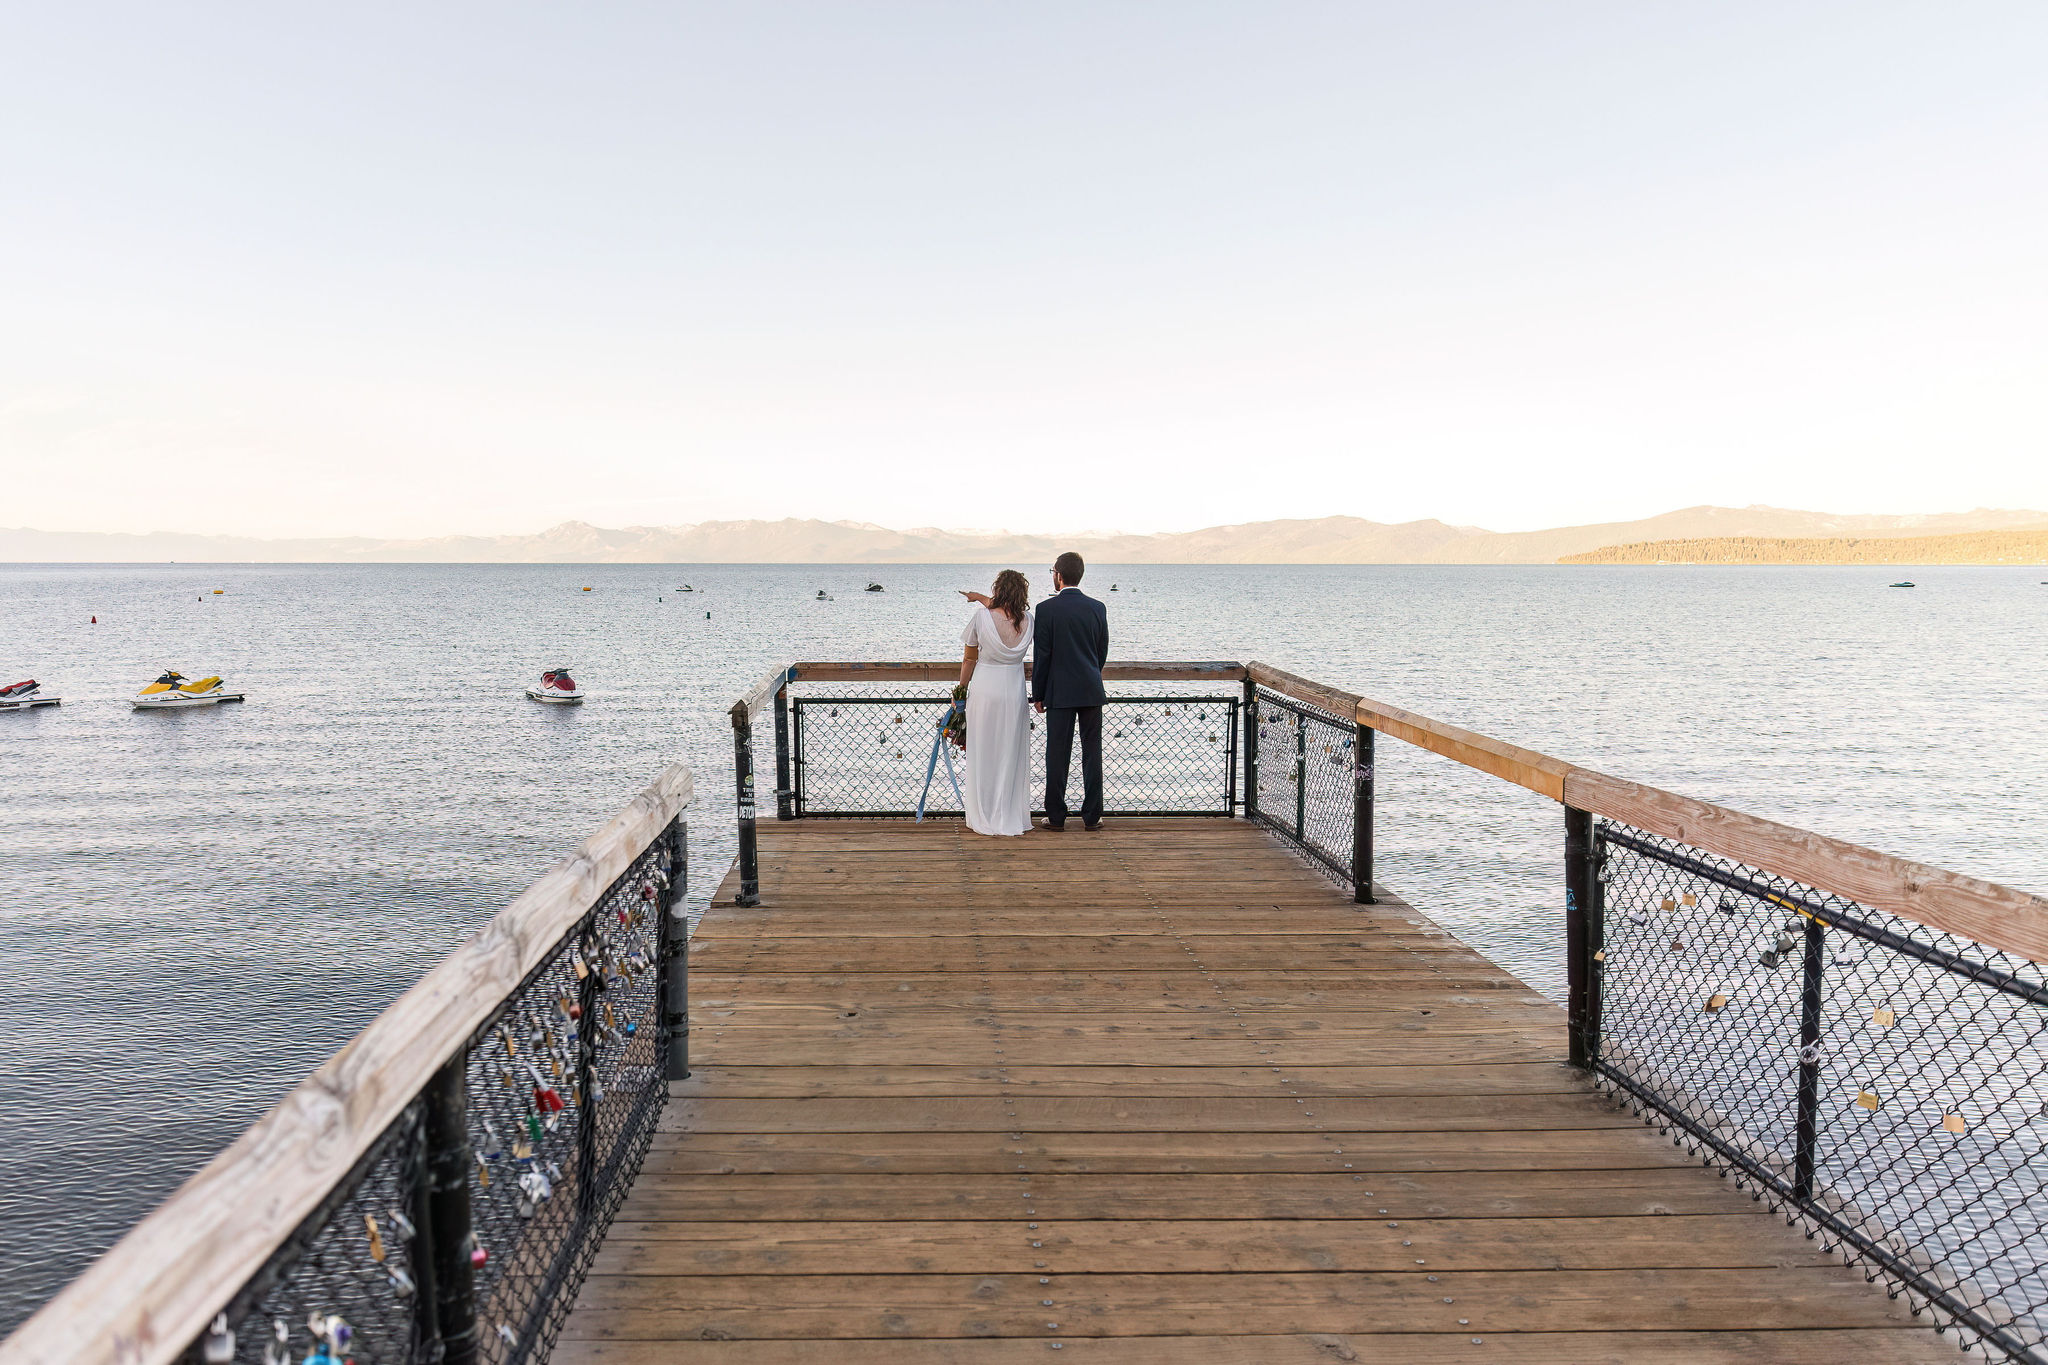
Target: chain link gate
x: 866, y: 753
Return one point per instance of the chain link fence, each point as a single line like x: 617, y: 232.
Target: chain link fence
x: 1305, y: 785
x: 1884, y: 1083
x: 559, y: 1095
x: 865, y: 750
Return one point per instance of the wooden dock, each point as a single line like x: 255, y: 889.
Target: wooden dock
x: 1161, y: 1094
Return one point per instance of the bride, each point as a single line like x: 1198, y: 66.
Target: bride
x: 998, y: 788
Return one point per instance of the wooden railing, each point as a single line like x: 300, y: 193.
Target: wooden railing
x: 236, y: 1223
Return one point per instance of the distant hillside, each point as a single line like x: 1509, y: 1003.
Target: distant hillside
x: 1323, y: 540
x: 1983, y: 547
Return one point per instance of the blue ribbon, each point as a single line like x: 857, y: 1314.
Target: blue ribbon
x: 931, y: 764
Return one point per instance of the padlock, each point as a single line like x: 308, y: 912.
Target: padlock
x: 1954, y: 1123
x: 1867, y: 1098
x: 1716, y: 1002
x: 376, y: 1238
x: 1768, y: 958
x: 219, y: 1347
x: 1883, y: 1017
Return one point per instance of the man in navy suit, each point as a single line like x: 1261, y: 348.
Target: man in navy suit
x: 1067, y: 650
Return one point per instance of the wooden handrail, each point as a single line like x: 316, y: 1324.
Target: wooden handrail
x: 151, y: 1295
x: 2000, y: 917
x: 948, y: 670
x: 1303, y: 689
x: 757, y: 697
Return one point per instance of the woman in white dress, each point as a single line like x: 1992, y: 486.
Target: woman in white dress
x: 997, y: 637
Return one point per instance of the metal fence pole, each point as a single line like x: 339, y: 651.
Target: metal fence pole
x: 1361, y: 817
x: 743, y: 781
x: 674, y: 947
x: 446, y: 1099
x: 586, y: 1069
x: 1301, y: 779
x: 1230, y: 759
x: 1581, y: 887
x: 782, y: 785
x: 1251, y: 750
x: 1807, y: 1135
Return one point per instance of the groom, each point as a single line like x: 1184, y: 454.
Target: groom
x: 1067, y: 650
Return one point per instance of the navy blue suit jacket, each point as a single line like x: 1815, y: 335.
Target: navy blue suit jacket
x: 1068, y: 647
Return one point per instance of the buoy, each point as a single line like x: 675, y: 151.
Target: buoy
x: 95, y: 620
x: 219, y: 591
x: 586, y: 590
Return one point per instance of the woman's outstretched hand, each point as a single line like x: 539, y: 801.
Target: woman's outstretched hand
x: 983, y: 598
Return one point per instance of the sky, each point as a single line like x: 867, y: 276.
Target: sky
x: 411, y: 270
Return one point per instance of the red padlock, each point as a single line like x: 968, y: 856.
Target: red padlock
x: 546, y: 1099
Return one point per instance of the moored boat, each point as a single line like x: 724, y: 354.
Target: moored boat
x: 172, y: 692
x: 24, y: 696
x: 558, y: 687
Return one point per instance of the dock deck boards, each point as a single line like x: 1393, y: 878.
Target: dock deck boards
x: 1161, y: 1094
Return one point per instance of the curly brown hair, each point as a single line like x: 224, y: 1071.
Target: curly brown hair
x: 1012, y: 594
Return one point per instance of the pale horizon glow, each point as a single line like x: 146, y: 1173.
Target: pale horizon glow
x: 406, y: 272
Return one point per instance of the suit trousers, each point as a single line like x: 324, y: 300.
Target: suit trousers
x: 1059, y: 755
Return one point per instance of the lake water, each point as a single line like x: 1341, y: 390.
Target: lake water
x: 196, y: 908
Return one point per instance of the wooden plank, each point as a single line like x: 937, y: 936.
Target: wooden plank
x: 1469, y: 1148
x: 871, y: 1197
x: 764, y: 1307
x: 1996, y: 916
x: 154, y: 1292
x: 1804, y: 1346
x: 924, y: 1079
x: 1709, y: 1241
x: 1216, y: 1114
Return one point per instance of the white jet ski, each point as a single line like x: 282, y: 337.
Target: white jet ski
x: 25, y: 695
x: 172, y: 692
x: 557, y: 686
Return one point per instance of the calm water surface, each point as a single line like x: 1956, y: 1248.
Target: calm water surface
x: 196, y: 908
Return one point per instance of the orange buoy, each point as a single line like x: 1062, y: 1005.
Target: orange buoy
x: 586, y: 590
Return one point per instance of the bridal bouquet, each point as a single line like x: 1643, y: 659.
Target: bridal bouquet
x: 954, y: 726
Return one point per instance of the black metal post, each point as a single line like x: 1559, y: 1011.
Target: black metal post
x: 1581, y: 888
x: 1301, y: 779
x: 782, y: 786
x: 587, y: 990
x: 448, y: 1164
x: 1807, y: 1135
x: 420, y: 1247
x: 1251, y: 750
x: 743, y: 781
x: 1230, y: 759
x: 674, y: 946
x: 1361, y: 817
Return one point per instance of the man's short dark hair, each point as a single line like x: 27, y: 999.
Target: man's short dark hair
x: 1070, y: 568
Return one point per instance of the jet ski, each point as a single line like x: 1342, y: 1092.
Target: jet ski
x: 823, y: 596
x: 172, y: 692
x: 872, y: 587
x: 24, y: 695
x: 557, y: 686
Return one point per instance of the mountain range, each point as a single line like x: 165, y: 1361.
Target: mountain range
x: 1320, y: 540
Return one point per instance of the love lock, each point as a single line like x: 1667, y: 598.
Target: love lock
x: 1810, y: 1054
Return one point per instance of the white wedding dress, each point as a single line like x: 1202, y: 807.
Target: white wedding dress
x: 998, y: 788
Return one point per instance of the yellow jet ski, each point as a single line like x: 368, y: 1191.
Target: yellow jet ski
x: 172, y: 692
